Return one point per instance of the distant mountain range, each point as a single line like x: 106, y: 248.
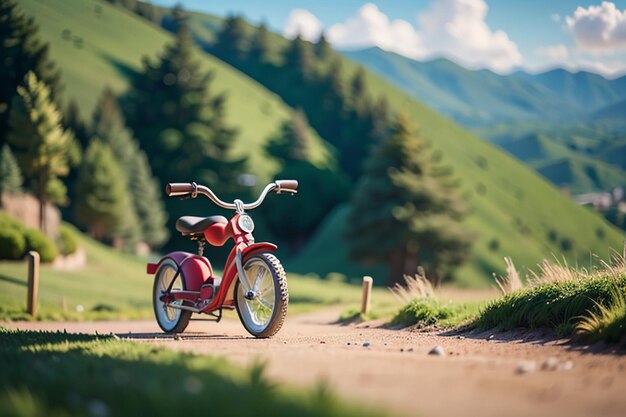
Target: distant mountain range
x: 482, y: 97
x: 568, y: 126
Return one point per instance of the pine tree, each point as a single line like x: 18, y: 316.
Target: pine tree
x: 22, y: 51
x: 103, y: 200
x: 323, y: 50
x: 295, y: 220
x: 298, y: 56
x: 293, y: 142
x: 10, y: 175
x: 359, y: 94
x: 148, y: 11
x: 333, y: 103
x: 41, y: 143
x: 109, y: 126
x: 260, y: 48
x: 405, y: 210
x: 145, y: 192
x: 179, y: 122
x: 73, y: 121
x: 232, y: 43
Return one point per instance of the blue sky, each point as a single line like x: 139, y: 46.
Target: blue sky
x: 537, y: 29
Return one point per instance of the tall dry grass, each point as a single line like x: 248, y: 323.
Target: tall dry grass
x: 417, y: 286
x: 560, y: 271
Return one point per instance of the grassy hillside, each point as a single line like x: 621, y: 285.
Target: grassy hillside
x: 514, y: 211
x: 612, y: 116
x: 581, y: 174
x: 510, y: 203
x: 563, y: 166
x: 106, y: 47
x: 535, y: 147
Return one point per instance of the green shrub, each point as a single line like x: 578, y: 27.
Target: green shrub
x: 558, y: 305
x: 12, y: 243
x: 7, y: 221
x: 67, y: 242
x: 37, y: 241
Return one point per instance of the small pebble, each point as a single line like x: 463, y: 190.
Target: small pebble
x: 366, y: 344
x: 490, y: 337
x: 410, y: 349
x: 566, y: 366
x: 550, y: 364
x: 401, y: 349
x: 437, y: 351
x: 525, y: 367
x: 460, y: 337
x: 322, y: 342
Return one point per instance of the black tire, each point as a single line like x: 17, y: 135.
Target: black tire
x: 180, y: 323
x: 281, y: 297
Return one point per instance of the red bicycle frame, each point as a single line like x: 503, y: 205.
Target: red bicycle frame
x: 195, y: 270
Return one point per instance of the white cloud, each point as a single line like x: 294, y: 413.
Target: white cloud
x: 453, y: 28
x: 554, y: 53
x: 371, y: 27
x: 598, y: 28
x: 457, y: 28
x: 304, y: 23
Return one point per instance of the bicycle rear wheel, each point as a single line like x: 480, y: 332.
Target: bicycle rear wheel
x: 169, y: 319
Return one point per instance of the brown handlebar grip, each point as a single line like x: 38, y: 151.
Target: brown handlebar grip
x: 174, y: 189
x: 287, y: 185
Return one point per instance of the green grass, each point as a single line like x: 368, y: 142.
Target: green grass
x: 114, y: 285
x: 114, y: 43
x: 560, y: 305
x: 607, y: 322
x: 56, y: 374
x: 432, y: 313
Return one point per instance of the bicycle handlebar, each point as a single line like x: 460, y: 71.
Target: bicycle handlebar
x: 193, y: 189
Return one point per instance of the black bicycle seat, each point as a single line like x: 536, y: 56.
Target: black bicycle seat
x: 193, y: 224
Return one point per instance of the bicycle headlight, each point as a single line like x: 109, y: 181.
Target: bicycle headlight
x: 246, y: 223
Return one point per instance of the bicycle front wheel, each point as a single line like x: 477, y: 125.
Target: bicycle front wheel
x: 262, y: 309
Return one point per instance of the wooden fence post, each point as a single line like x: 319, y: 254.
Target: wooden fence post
x: 367, y: 291
x: 33, y: 282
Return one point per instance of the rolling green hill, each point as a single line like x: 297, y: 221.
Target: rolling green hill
x: 535, y: 117
x: 581, y: 172
x: 514, y: 210
x: 535, y: 147
x: 106, y: 46
x: 612, y: 116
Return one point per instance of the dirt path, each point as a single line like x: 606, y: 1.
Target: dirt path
x: 477, y: 376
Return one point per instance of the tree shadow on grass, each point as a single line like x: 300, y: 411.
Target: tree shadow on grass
x: 13, y: 281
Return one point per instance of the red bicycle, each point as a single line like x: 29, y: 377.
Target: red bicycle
x: 254, y: 282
